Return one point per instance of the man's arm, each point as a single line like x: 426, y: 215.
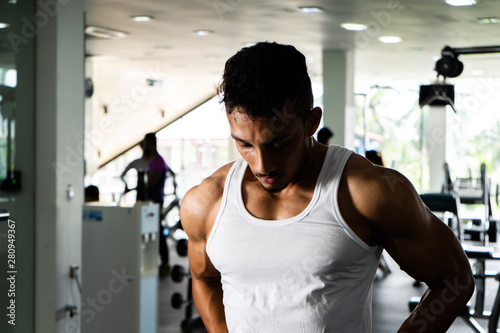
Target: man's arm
x: 386, y: 204
x: 198, y: 213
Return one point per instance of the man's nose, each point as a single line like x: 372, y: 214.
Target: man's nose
x: 264, y: 163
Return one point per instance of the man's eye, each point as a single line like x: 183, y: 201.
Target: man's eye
x: 279, y: 145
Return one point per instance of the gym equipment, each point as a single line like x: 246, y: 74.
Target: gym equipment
x: 476, y: 191
x: 182, y: 248
x: 442, y: 203
x: 179, y: 273
x: 188, y: 324
x: 441, y: 93
x: 450, y: 66
x: 120, y: 268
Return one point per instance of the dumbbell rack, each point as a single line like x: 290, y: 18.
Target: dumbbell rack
x: 188, y: 324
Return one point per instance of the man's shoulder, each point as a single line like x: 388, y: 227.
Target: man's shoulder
x: 212, y: 187
x: 373, y: 185
x: 201, y: 204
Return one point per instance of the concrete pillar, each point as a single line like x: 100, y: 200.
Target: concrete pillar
x: 59, y: 162
x: 338, y: 95
x: 435, y: 145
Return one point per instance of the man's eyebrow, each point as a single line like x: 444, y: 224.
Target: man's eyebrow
x: 276, y: 138
x: 238, y: 139
x: 269, y: 141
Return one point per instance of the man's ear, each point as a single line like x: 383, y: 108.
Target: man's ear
x: 313, y: 120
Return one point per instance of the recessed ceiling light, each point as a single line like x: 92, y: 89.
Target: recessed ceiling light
x: 488, y: 20
x: 162, y: 47
x: 461, y: 2
x: 104, y: 32
x: 390, y: 39
x: 310, y: 9
x: 142, y: 18
x: 203, y: 32
x: 354, y: 26
x: 4, y: 25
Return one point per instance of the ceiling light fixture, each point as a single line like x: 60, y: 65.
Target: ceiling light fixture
x: 4, y: 25
x: 203, y: 32
x: 310, y: 9
x: 354, y: 26
x: 142, y: 18
x: 461, y: 2
x: 390, y: 39
x: 488, y: 20
x: 104, y: 32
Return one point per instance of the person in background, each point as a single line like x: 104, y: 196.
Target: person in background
x: 139, y: 165
x: 375, y: 157
x: 156, y: 174
x: 325, y: 135
x: 91, y: 193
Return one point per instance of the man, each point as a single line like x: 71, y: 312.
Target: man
x: 288, y: 238
x: 157, y: 171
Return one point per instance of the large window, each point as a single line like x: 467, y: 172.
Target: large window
x: 389, y: 120
x: 193, y: 146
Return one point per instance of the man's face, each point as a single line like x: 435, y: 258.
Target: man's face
x: 274, y: 148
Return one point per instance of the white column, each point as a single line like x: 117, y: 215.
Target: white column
x: 435, y: 145
x: 338, y: 95
x: 59, y: 162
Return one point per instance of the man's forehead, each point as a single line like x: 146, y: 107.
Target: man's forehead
x: 285, y: 113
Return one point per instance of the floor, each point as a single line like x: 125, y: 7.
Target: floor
x: 390, y: 300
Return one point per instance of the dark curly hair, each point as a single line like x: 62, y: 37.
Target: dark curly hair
x: 260, y: 78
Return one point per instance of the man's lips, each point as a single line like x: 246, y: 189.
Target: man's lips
x: 268, y: 180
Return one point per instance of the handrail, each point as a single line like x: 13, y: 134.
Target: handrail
x: 4, y: 216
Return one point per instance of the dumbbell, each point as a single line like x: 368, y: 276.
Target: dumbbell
x: 178, y: 300
x: 182, y: 247
x: 179, y: 273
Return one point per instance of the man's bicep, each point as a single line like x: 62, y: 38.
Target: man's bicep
x: 423, y: 245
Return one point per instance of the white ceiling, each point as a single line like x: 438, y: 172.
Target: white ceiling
x: 192, y: 65
x: 425, y: 26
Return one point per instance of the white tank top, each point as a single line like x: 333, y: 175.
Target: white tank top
x: 309, y: 273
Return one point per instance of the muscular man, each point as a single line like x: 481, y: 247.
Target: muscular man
x: 288, y: 237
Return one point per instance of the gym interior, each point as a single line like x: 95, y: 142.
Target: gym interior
x: 82, y: 82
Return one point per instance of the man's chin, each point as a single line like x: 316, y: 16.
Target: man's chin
x: 274, y: 188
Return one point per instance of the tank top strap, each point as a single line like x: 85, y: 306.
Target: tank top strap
x: 233, y: 178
